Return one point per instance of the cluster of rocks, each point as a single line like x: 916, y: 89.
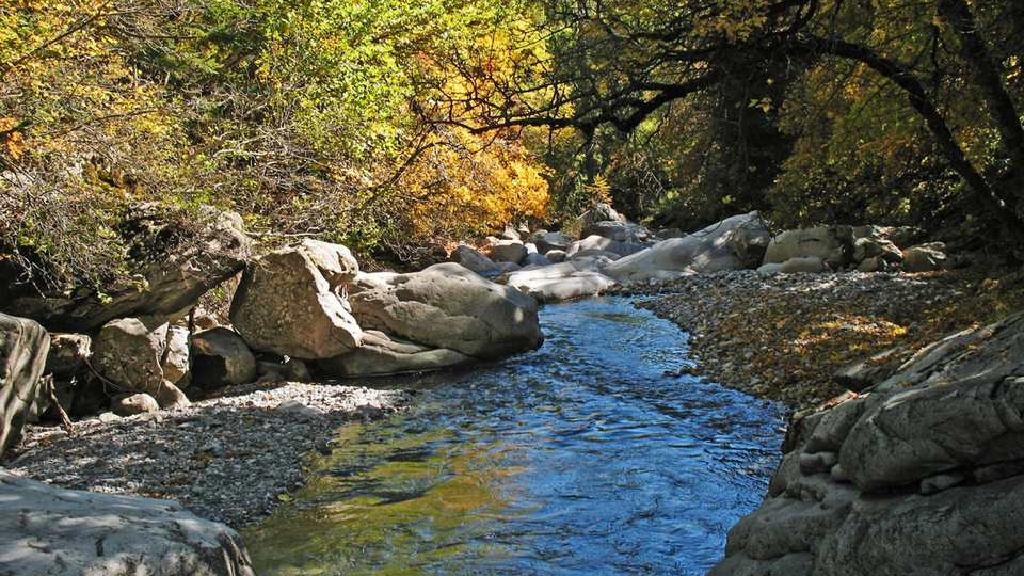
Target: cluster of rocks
x: 920, y: 474
x: 302, y: 312
x: 861, y: 248
x: 611, y: 251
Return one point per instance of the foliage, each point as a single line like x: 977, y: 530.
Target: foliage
x: 300, y: 115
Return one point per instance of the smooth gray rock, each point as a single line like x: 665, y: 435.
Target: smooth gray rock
x: 129, y: 353
x: 577, y: 278
x: 381, y: 355
x: 24, y: 345
x: 536, y: 260
x: 733, y: 244
x: 285, y: 305
x: 447, y: 306
x: 618, y: 231
x: 472, y: 259
x: 549, y: 241
x: 803, y: 265
x: 592, y: 244
x: 513, y: 251
x: 832, y: 244
x: 175, y: 274
x: 49, y: 531
x: 221, y: 358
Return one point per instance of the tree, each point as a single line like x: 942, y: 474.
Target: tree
x: 640, y: 57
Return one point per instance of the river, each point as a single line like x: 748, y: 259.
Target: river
x: 591, y: 456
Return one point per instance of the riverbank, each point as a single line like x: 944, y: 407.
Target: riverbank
x: 231, y: 459
x: 784, y: 337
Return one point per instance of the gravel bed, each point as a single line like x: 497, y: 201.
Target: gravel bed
x: 784, y: 336
x: 229, y: 459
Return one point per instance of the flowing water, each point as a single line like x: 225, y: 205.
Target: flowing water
x: 588, y: 456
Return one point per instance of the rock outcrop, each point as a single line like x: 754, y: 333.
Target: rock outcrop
x: 24, y: 345
x: 448, y: 307
x: 176, y: 257
x: 286, y: 305
x: 49, y: 531
x: 924, y: 474
x: 733, y: 244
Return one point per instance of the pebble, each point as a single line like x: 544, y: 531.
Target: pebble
x: 226, y: 459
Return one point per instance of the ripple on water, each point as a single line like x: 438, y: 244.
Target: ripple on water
x: 583, y: 457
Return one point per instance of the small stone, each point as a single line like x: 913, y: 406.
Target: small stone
x: 135, y: 404
x: 108, y: 417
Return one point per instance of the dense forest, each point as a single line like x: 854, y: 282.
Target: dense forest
x: 397, y: 127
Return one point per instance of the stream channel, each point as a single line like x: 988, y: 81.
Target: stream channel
x: 591, y: 456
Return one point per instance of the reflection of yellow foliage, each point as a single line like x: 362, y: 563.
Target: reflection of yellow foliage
x: 387, y: 515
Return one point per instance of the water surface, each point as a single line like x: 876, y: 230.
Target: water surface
x: 588, y: 456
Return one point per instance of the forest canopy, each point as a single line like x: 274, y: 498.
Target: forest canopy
x: 396, y: 127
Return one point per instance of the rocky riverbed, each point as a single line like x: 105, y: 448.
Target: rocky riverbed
x: 231, y: 459
x: 786, y: 336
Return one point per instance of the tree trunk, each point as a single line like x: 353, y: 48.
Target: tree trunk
x: 989, y: 79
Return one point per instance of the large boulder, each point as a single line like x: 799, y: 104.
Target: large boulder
x: 593, y: 244
x: 579, y: 278
x: 548, y: 241
x: 924, y: 474
x: 221, y: 358
x: 832, y: 244
x: 23, y: 348
x: 447, y: 306
x: 735, y: 243
x: 129, y: 353
x: 382, y: 355
x: 176, y: 257
x: 513, y: 251
x: 286, y: 305
x: 475, y: 261
x: 49, y: 531
x: 334, y: 261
